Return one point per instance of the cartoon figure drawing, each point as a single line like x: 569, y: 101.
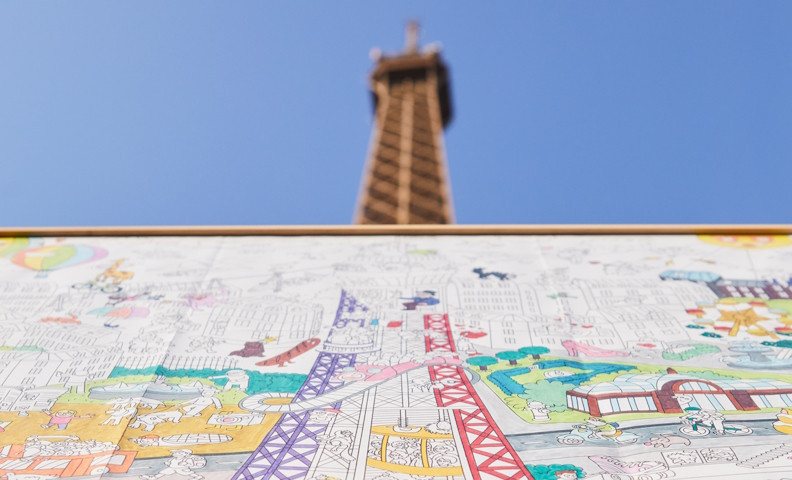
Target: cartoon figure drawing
x: 150, y: 420
x: 340, y: 443
x: 198, y: 300
x: 236, y: 378
x: 182, y: 462
x: 597, y: 430
x: 697, y: 423
x: 539, y: 411
x: 422, y: 298
x: 115, y: 274
x: 205, y: 344
x: 61, y: 418
x: 194, y: 407
x: 420, y: 385
x: 120, y: 413
x: 683, y: 399
x: 321, y: 416
x: 253, y: 349
x: 143, y: 402
x: 665, y: 440
x: 566, y: 475
x: 484, y: 275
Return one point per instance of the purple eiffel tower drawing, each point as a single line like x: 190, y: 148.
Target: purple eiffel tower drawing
x: 288, y: 449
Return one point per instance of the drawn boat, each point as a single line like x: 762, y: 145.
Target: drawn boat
x: 156, y: 390
x: 181, y: 440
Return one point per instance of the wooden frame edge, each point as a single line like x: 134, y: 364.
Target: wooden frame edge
x: 320, y: 230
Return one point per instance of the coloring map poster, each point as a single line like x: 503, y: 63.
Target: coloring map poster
x: 396, y: 357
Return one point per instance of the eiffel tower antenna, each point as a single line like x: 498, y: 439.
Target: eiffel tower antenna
x: 411, y: 37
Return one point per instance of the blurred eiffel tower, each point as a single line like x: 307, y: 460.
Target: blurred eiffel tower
x: 406, y: 177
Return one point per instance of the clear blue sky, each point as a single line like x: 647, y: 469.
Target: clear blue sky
x: 251, y: 112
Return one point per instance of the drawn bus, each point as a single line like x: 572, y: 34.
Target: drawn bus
x: 15, y: 460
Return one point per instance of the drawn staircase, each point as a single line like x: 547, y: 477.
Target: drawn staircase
x: 768, y: 456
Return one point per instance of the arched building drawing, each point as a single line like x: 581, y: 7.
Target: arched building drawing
x: 673, y: 392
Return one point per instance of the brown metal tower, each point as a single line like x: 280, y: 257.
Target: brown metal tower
x: 406, y: 178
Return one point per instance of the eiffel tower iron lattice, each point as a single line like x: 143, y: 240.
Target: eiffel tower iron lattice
x: 489, y: 453
x: 406, y: 177
x: 287, y: 450
x: 297, y: 445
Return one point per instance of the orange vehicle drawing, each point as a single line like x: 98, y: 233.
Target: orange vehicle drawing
x: 12, y: 460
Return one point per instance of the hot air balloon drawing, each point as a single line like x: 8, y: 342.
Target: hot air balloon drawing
x: 111, y: 313
x: 11, y: 245
x: 55, y: 257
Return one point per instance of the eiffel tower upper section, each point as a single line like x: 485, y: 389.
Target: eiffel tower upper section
x: 406, y: 177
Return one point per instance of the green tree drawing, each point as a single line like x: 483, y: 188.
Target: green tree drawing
x: 511, y: 356
x: 552, y: 394
x: 534, y: 351
x: 482, y: 362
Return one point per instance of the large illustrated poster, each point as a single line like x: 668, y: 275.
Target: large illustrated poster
x: 385, y: 357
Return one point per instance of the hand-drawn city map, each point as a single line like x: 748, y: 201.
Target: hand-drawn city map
x: 396, y: 357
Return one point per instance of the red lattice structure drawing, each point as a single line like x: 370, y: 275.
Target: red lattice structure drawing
x: 488, y: 452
